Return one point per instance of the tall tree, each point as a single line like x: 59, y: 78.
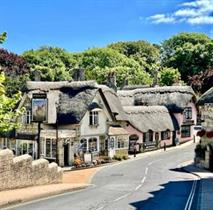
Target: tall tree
x: 15, y: 69
x: 99, y: 62
x: 146, y: 54
x: 169, y: 76
x: 54, y: 64
x: 190, y: 53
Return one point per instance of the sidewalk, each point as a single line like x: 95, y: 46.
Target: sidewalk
x: 206, y: 186
x: 72, y: 180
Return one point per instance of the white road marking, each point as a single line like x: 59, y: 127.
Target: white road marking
x: 191, y: 196
x: 146, y: 171
x: 121, y: 197
x: 140, y: 185
x: 143, y: 180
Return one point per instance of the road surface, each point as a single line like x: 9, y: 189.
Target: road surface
x: 151, y: 182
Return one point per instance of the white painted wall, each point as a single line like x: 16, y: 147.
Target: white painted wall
x: 104, y: 117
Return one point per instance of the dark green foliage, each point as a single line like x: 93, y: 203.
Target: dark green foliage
x: 200, y: 151
x: 190, y: 53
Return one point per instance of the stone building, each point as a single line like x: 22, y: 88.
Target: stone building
x: 78, y: 121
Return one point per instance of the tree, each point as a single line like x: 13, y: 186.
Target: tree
x: 143, y: 52
x: 16, y: 71
x: 8, y: 114
x: 99, y: 62
x: 54, y: 64
x: 3, y: 36
x: 169, y: 76
x: 203, y: 81
x: 190, y: 53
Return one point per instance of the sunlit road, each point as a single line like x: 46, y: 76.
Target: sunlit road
x: 151, y: 182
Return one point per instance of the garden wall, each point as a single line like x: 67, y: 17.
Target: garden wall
x: 21, y: 171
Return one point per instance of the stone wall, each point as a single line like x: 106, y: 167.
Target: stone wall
x: 21, y: 171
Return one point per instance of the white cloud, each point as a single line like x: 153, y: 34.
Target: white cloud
x: 161, y: 18
x: 200, y: 20
x: 194, y: 12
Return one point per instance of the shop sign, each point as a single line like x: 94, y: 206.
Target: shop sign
x: 39, y: 107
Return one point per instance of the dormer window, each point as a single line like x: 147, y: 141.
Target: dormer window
x: 93, y: 118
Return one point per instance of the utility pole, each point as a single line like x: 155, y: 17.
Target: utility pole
x: 38, y: 141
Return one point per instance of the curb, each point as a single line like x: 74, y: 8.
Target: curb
x: 40, y: 196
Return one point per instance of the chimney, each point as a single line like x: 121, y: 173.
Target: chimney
x: 78, y: 74
x: 37, y: 75
x: 111, y: 81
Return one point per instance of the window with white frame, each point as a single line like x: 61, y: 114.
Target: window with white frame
x: 93, y: 118
x: 121, y: 143
x: 83, y: 146
x: 93, y: 144
x: 27, y: 117
x: 188, y: 113
x: 165, y: 135
x: 50, y: 148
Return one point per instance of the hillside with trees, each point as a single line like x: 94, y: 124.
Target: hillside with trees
x: 183, y: 58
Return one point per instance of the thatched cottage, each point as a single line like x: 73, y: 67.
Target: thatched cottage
x: 179, y: 100
x: 79, y: 120
x: 150, y: 127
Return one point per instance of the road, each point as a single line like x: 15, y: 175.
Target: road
x: 149, y: 182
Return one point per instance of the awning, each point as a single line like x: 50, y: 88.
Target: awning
x: 61, y: 133
x: 114, y: 131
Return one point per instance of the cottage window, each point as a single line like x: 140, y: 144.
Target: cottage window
x: 188, y: 113
x: 165, y: 135
x: 50, y: 148
x: 93, y: 144
x: 148, y: 136
x: 93, y: 118
x: 83, y: 146
x: 27, y: 117
x: 185, y: 131
x: 121, y: 143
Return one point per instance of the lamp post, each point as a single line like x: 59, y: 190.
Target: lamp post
x: 57, y: 152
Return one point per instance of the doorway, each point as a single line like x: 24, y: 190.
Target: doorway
x: 66, y: 154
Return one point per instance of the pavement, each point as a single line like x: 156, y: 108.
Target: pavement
x: 80, y: 179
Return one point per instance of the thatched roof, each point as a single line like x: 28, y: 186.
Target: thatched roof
x: 114, y: 102
x: 144, y: 118
x: 45, y: 86
x: 175, y: 98
x: 206, y: 98
x: 74, y: 103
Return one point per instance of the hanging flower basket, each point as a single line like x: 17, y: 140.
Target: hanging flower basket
x: 201, y: 133
x: 209, y: 134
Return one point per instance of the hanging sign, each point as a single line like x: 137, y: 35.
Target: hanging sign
x: 39, y: 107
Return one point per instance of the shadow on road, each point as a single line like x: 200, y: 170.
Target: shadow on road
x: 172, y: 196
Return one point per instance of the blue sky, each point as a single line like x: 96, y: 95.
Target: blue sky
x: 77, y: 25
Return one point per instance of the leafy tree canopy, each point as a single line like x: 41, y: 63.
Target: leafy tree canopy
x: 3, y: 36
x: 16, y: 71
x: 54, y: 64
x: 143, y: 52
x: 99, y: 62
x: 190, y: 53
x: 7, y: 107
x: 169, y: 76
